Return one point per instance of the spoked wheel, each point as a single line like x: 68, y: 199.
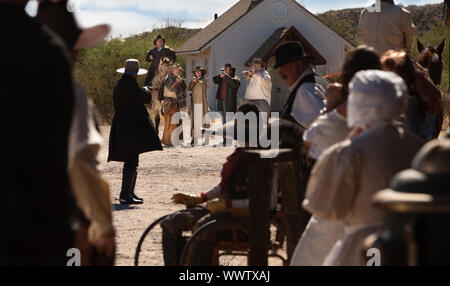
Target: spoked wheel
x: 149, y: 249
x: 218, y: 242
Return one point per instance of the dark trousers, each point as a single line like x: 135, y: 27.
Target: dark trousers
x: 173, y: 241
x: 131, y: 164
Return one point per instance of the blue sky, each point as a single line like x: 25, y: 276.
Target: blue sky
x: 133, y: 16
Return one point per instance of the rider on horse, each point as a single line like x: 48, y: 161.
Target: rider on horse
x: 155, y: 55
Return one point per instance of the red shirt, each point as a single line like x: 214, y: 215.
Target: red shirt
x: 224, y: 89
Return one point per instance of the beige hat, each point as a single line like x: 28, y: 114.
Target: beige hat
x: 176, y: 66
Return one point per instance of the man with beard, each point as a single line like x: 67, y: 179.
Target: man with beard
x: 307, y: 88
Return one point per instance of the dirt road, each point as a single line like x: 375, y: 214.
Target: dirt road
x: 161, y: 174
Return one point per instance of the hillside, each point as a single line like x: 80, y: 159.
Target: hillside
x: 345, y: 22
x: 96, y: 66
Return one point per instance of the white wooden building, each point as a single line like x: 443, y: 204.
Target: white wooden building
x: 253, y: 28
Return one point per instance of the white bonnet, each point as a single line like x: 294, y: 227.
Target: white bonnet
x: 375, y: 97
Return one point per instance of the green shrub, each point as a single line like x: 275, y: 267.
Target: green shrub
x: 96, y: 67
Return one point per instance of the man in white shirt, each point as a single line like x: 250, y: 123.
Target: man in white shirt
x: 307, y: 88
x: 259, y: 89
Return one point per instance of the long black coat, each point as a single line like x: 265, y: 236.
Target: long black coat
x: 233, y: 84
x: 132, y: 131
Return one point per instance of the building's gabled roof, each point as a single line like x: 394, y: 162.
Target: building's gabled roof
x: 222, y: 23
x: 218, y: 26
x: 286, y: 34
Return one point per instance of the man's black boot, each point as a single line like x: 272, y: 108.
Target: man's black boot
x: 133, y: 185
x: 126, y: 197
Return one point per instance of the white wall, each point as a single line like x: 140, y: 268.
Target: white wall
x: 245, y: 36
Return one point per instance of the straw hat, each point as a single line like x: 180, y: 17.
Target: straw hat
x: 176, y: 66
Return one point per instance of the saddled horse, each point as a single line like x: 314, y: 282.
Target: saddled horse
x: 155, y: 107
x: 430, y: 58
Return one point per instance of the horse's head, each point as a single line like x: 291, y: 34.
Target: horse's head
x: 163, y: 71
x: 430, y: 57
x: 164, y: 67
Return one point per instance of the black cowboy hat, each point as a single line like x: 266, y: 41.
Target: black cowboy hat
x: 200, y: 69
x: 290, y: 52
x: 157, y: 38
x: 424, y: 187
x: 56, y: 16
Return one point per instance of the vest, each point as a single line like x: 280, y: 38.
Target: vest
x: 290, y: 102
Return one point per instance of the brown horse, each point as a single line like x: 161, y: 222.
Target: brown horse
x: 421, y: 87
x: 430, y: 58
x: 155, y: 107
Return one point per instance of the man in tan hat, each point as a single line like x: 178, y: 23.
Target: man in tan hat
x: 173, y: 87
x: 259, y: 89
x: 154, y: 56
x: 173, y: 93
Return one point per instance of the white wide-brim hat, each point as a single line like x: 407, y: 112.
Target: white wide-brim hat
x: 132, y: 67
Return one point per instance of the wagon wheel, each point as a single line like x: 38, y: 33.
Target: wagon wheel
x: 148, y: 245
x: 218, y: 242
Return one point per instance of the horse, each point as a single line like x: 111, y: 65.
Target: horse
x: 155, y: 106
x: 425, y: 105
x: 430, y: 58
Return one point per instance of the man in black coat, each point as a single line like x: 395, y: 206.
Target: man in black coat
x: 227, y: 92
x: 132, y: 132
x: 154, y: 57
x: 37, y: 213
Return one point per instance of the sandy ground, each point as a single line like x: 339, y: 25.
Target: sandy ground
x: 160, y: 175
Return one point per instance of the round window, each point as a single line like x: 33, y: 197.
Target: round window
x: 279, y: 10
